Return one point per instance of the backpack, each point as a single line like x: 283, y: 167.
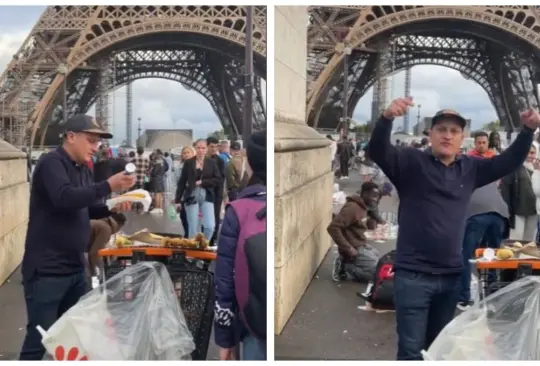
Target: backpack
x: 382, y: 290
x: 250, y: 264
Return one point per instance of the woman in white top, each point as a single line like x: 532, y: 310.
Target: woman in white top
x: 333, y: 148
x: 535, y: 178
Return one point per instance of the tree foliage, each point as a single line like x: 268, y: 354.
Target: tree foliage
x: 492, y: 126
x: 361, y: 129
x: 218, y: 134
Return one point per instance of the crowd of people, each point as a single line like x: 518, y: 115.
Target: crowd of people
x: 69, y: 222
x: 451, y: 202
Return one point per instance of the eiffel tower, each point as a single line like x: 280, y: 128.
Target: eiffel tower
x: 498, y: 47
x: 76, y: 55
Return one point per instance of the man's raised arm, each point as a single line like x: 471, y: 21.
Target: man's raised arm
x: 389, y: 158
x: 490, y: 170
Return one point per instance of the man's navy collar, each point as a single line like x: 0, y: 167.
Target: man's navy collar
x: 430, y: 153
x: 63, y: 153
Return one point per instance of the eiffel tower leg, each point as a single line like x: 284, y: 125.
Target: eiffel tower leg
x: 259, y: 107
x: 233, y: 95
x: 104, y: 88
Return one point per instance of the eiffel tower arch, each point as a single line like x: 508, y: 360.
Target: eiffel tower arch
x: 495, y: 46
x: 91, y: 50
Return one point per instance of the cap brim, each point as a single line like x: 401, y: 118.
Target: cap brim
x: 440, y: 117
x: 101, y: 133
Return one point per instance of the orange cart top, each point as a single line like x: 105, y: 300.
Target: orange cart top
x: 165, y: 252
x: 504, y: 264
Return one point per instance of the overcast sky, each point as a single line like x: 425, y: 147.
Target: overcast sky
x: 435, y: 88
x: 167, y: 104
x: 159, y: 103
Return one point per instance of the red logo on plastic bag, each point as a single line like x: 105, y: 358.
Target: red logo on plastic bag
x: 111, y: 333
x: 72, y: 355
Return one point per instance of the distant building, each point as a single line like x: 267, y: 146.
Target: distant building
x: 165, y: 139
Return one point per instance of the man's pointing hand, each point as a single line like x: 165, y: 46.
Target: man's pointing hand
x: 398, y: 108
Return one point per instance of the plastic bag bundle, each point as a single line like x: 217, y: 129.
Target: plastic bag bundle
x: 338, y: 201
x: 135, y: 315
x: 382, y: 233
x: 503, y: 326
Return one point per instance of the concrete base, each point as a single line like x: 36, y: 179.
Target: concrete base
x: 14, y: 202
x: 302, y: 177
x: 303, y: 209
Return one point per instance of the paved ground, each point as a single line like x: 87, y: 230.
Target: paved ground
x: 12, y: 307
x: 327, y: 324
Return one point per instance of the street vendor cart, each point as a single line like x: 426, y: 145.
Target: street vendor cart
x: 498, y: 273
x: 189, y: 270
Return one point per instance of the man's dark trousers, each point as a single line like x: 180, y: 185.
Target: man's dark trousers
x: 344, y: 166
x: 217, y: 213
x: 487, y: 227
x: 425, y: 304
x: 47, y: 299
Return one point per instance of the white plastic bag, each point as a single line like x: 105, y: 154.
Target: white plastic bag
x: 135, y: 315
x: 128, y: 197
x: 503, y: 326
x: 338, y: 201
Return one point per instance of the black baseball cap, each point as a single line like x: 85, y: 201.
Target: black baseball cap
x: 236, y: 146
x: 448, y: 114
x: 84, y: 123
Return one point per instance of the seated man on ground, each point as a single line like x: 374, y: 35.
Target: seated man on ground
x: 101, y: 232
x: 359, y: 214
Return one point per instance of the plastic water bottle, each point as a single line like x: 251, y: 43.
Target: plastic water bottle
x: 475, y: 296
x: 129, y: 169
x: 173, y: 216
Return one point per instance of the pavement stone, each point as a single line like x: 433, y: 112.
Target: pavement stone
x: 13, y: 308
x: 327, y: 324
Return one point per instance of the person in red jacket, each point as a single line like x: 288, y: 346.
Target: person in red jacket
x: 481, y: 149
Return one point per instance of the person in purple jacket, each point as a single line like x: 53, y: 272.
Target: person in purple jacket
x: 229, y: 330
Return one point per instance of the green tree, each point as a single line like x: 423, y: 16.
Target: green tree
x: 361, y: 129
x: 492, y: 126
x: 218, y: 134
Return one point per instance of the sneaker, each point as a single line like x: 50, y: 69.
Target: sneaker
x: 336, y: 269
x: 464, y: 305
x: 338, y: 273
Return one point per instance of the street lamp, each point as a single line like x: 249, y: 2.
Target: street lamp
x: 418, y: 116
x: 248, y: 78
x: 63, y: 70
x: 139, y: 131
x: 344, y: 120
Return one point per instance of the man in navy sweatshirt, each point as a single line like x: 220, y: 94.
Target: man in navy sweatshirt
x: 63, y: 199
x: 434, y: 188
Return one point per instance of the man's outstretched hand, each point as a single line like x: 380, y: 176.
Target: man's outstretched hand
x: 398, y: 108
x: 531, y: 119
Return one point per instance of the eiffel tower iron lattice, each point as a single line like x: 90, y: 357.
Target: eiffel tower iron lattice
x: 498, y: 47
x: 201, y: 47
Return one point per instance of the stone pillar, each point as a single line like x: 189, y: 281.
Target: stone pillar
x: 303, y: 178
x: 14, y: 202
